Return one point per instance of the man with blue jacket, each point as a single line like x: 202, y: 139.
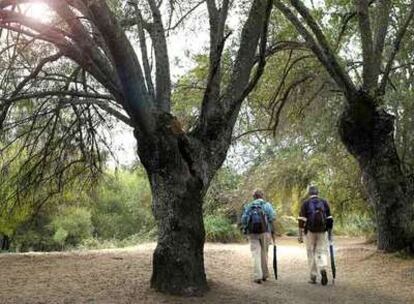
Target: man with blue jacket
x: 258, y: 222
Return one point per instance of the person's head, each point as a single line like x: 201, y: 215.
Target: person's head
x: 258, y: 193
x: 313, y: 190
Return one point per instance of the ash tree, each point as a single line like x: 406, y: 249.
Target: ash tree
x: 91, y: 70
x: 366, y: 127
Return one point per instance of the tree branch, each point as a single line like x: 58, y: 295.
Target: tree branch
x: 282, y: 102
x: 381, y: 24
x: 101, y: 104
x: 144, y: 50
x: 217, y: 20
x: 369, y: 74
x: 253, y: 30
x: 162, y: 63
x: 138, y: 102
x: 14, y: 21
x: 320, y: 47
x: 43, y: 94
x: 239, y: 136
x: 396, y: 47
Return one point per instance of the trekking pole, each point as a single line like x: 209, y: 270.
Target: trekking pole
x: 274, y: 256
x: 331, y: 251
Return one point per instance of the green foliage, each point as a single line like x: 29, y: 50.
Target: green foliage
x: 220, y: 229
x: 60, y: 236
x: 132, y: 240
x: 287, y: 225
x: 219, y: 195
x: 303, y: 150
x: 189, y: 91
x: 117, y: 212
x: 123, y: 205
x: 72, y: 225
x: 356, y: 225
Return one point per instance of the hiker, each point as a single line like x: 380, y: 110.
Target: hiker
x: 258, y: 222
x: 314, y: 221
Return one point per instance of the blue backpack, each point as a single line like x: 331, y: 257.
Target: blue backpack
x: 316, y: 219
x: 257, y: 220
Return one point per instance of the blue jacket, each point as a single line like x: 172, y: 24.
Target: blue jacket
x: 267, y: 208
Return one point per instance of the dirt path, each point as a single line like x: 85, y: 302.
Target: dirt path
x: 121, y: 276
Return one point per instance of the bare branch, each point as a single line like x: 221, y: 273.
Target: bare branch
x: 286, y: 71
x: 320, y: 47
x: 249, y: 132
x: 62, y: 40
x: 42, y: 94
x: 101, y: 104
x: 283, y: 101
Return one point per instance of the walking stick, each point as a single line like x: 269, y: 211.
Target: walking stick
x: 331, y: 251
x: 274, y: 257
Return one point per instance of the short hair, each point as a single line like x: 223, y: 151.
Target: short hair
x: 258, y: 193
x: 313, y: 190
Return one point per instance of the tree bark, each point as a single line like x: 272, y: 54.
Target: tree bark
x: 368, y: 134
x: 178, y: 263
x: 178, y: 190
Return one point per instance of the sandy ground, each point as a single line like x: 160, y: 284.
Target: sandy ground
x: 122, y: 276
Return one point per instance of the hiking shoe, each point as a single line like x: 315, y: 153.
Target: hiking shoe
x: 258, y: 281
x: 324, y: 277
x: 312, y: 280
x: 264, y: 279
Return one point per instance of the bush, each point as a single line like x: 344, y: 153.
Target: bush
x: 122, y: 206
x: 132, y: 240
x: 286, y: 225
x: 72, y: 226
x: 355, y: 225
x: 219, y: 229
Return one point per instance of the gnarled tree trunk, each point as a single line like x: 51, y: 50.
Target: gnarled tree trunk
x: 367, y: 131
x: 368, y: 134
x: 178, y: 190
x: 178, y: 263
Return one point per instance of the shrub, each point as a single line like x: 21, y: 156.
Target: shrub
x: 132, y: 240
x: 122, y: 206
x: 287, y: 225
x: 219, y: 229
x: 72, y: 226
x: 356, y: 225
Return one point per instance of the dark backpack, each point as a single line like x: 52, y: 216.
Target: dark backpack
x: 316, y: 220
x: 257, y: 221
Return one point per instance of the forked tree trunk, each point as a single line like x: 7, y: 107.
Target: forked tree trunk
x: 368, y: 134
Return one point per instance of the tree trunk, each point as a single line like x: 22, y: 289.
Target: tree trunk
x: 178, y: 263
x: 368, y: 134
x: 177, y: 190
